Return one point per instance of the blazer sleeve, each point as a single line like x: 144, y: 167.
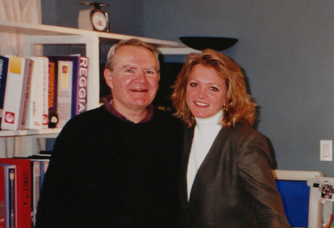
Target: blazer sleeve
x: 254, y: 168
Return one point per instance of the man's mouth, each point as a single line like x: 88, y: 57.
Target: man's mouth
x: 139, y: 90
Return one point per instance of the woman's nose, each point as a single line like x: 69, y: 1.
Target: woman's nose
x: 202, y: 93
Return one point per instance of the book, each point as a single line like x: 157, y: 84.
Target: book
x: 3, y: 78
x: 16, y: 93
x: 53, y: 87
x: 8, y: 191
x: 45, y: 118
x: 44, y: 167
x: 43, y: 164
x: 35, y: 101
x: 36, y: 186
x: 3, y: 197
x: 72, y: 73
x: 64, y: 98
x: 23, y: 190
x: 79, y: 100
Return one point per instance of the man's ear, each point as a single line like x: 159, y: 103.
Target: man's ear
x: 108, y: 77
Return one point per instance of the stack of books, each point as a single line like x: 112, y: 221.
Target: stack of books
x: 41, y: 92
x: 21, y: 181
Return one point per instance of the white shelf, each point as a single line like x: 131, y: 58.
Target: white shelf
x: 49, y: 30
x: 42, y: 133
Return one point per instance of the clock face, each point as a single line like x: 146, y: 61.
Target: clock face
x: 99, y: 21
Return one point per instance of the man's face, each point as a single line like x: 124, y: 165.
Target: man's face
x: 134, y: 80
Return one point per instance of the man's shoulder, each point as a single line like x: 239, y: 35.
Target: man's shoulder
x: 89, y: 119
x: 93, y: 114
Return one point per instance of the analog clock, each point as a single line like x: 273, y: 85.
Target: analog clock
x: 100, y: 21
x: 94, y: 19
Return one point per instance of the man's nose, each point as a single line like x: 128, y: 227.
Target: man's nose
x: 141, y: 77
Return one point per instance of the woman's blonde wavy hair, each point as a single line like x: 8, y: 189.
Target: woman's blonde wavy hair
x: 239, y: 106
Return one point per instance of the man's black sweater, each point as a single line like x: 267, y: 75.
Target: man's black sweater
x: 106, y: 172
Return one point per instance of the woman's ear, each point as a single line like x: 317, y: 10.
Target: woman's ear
x: 108, y: 77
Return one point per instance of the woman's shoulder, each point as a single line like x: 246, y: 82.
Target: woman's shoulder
x: 243, y: 131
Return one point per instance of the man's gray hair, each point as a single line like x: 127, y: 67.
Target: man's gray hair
x: 131, y: 42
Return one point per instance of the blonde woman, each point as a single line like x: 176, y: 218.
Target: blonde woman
x: 226, y: 178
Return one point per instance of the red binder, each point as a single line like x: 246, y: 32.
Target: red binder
x: 23, y: 190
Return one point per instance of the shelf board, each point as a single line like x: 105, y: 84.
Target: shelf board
x: 42, y: 133
x: 42, y: 30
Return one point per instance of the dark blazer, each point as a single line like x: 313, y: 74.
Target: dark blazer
x: 234, y: 186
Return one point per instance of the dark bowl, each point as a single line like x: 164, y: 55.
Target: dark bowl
x: 201, y: 43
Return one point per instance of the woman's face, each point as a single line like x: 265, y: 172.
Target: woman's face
x: 206, y: 91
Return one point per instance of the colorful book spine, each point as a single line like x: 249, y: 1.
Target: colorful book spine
x: 53, y: 87
x: 8, y: 190
x: 79, y: 99
x: 23, y: 190
x: 2, y: 197
x: 45, y: 118
x: 65, y: 77
x: 35, y: 101
x: 44, y: 168
x: 25, y: 94
x: 3, y: 78
x: 36, y: 184
x: 16, y: 93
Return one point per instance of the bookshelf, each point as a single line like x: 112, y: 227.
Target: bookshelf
x: 28, y: 142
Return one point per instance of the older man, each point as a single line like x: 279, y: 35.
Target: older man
x: 116, y: 166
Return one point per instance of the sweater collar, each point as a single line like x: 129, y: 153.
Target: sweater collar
x: 213, y: 120
x: 113, y: 111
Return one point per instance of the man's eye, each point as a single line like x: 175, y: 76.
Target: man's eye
x: 129, y: 70
x: 149, y: 72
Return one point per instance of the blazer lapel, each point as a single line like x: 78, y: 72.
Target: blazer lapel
x: 183, y: 195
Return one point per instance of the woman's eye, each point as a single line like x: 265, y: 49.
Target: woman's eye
x: 214, y: 88
x: 193, y: 84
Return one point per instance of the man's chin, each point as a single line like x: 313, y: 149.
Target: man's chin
x: 141, y: 102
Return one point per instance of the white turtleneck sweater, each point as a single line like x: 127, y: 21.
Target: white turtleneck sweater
x: 206, y: 130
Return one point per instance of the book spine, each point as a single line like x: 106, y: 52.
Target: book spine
x: 45, y: 120
x: 12, y: 197
x: 79, y: 102
x: 36, y: 175
x: 3, y: 79
x: 3, y: 198
x: 44, y: 167
x: 8, y: 185
x: 35, y: 101
x: 53, y: 85
x: 13, y: 93
x: 25, y: 94
x: 65, y: 77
